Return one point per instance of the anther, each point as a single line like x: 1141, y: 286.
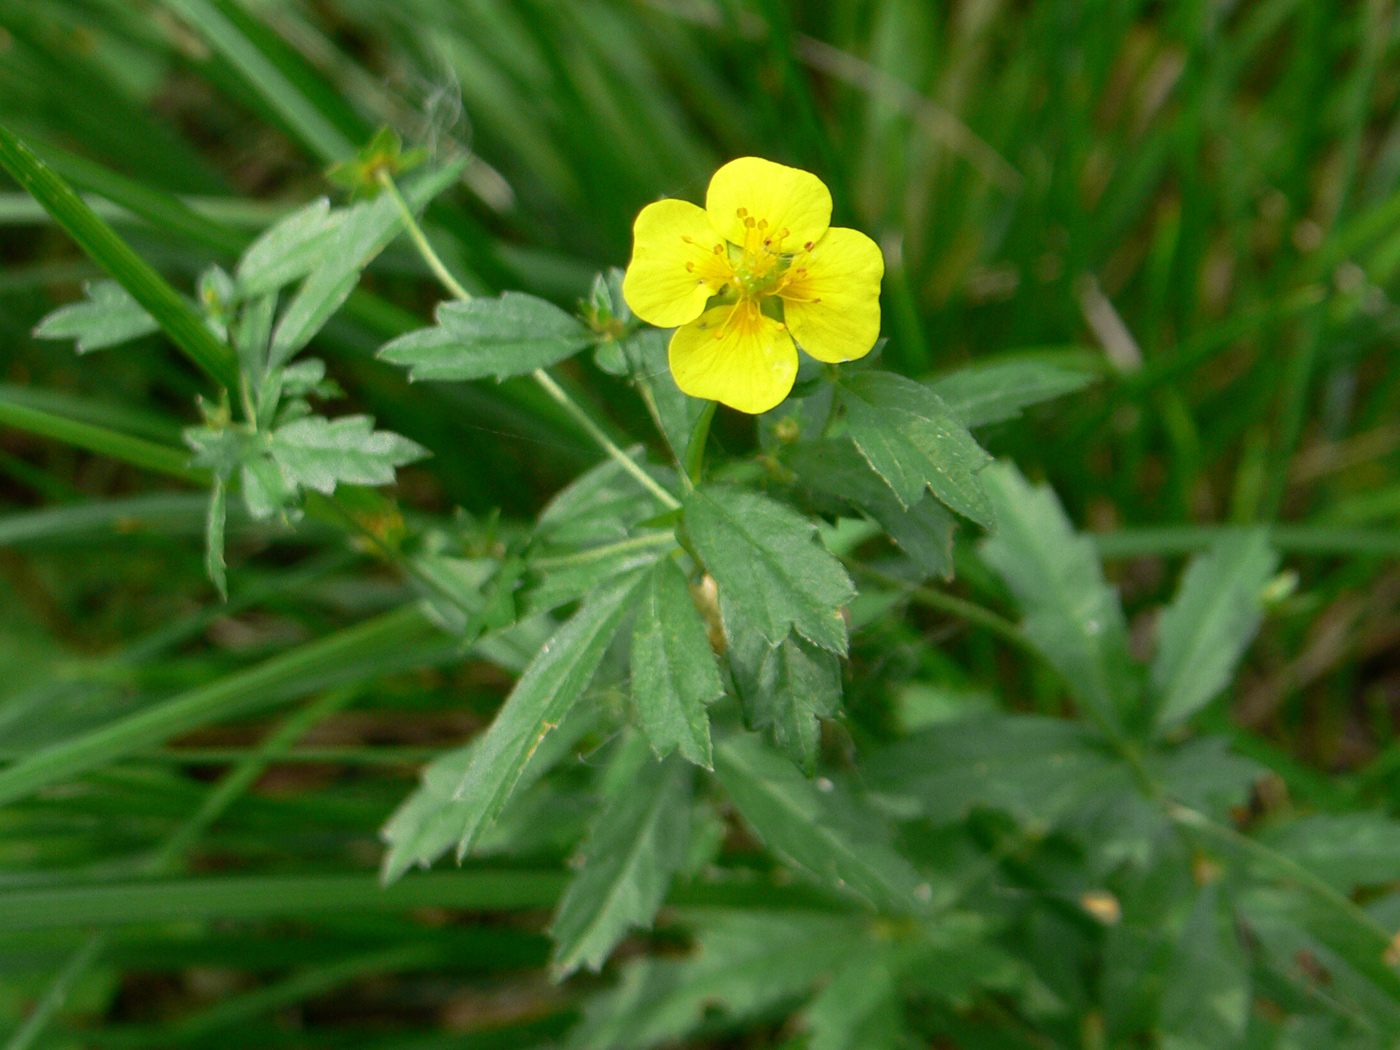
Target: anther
x: 690, y: 266
x: 687, y: 238
x: 750, y: 224
x: 808, y: 246
x: 719, y: 249
x: 741, y: 212
x: 762, y: 224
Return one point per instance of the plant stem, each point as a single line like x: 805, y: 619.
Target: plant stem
x: 695, y: 451
x: 553, y: 389
x: 420, y: 240
x: 625, y: 461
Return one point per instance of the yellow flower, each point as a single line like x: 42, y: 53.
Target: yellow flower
x: 742, y: 278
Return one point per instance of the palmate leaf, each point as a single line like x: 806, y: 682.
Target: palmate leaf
x: 827, y: 835
x: 995, y: 391
x: 365, y: 230
x: 745, y: 963
x: 321, y: 453
x: 914, y: 441
x: 674, y: 675
x: 1070, y: 613
x: 106, y: 317
x: 787, y: 687
x: 509, y: 336
x: 549, y: 688
x: 637, y: 844
x: 773, y: 576
x: 924, y: 530
x: 1213, y: 617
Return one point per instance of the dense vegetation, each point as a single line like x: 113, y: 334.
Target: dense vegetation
x: 814, y: 729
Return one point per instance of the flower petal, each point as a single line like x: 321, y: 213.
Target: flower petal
x: 833, y: 308
x: 785, y: 198
x: 675, y: 266
x: 735, y: 355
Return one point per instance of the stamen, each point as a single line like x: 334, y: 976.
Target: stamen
x: 741, y: 212
x: 690, y: 267
x: 719, y: 249
x: 687, y: 238
x: 762, y: 224
x: 808, y: 246
x: 749, y: 223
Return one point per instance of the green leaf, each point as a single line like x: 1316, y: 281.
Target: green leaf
x: 746, y: 963
x: 822, y: 831
x: 1037, y: 770
x: 432, y: 820
x: 772, y: 575
x: 860, y: 1008
x: 650, y: 366
x: 549, y: 688
x: 364, y: 232
x: 924, y: 530
x: 1206, y: 1000
x: 319, y: 453
x: 1071, y: 615
x: 509, y: 336
x: 995, y: 391
x: 214, y: 538
x: 1347, y: 850
x: 107, y: 316
x: 266, y: 487
x: 637, y: 844
x: 218, y: 450
x: 674, y: 675
x: 289, y: 249
x: 913, y: 441
x: 1214, y: 616
x: 177, y: 317
x: 788, y: 687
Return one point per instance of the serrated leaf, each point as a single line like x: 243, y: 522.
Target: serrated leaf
x: 1037, y: 770
x: 553, y: 682
x: 509, y: 336
x: 995, y: 391
x: 365, y: 230
x: 772, y: 573
x: 214, y: 538
x: 674, y: 675
x: 924, y: 531
x: 289, y: 249
x: 826, y: 834
x: 321, y: 453
x: 745, y: 963
x: 1205, y: 630
x: 431, y: 820
x: 913, y: 441
x: 106, y: 317
x: 1071, y: 615
x: 637, y: 844
x: 787, y: 688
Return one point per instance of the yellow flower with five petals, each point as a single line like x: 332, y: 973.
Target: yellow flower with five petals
x: 740, y: 279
